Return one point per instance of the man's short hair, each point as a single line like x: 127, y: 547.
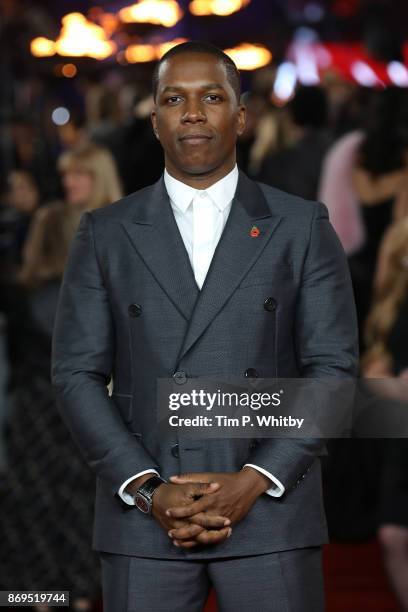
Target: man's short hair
x: 232, y: 71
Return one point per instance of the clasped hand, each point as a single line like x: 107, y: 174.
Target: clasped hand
x: 201, y: 508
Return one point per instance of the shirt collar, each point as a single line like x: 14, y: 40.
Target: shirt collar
x: 221, y: 193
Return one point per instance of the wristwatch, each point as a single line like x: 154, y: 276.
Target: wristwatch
x: 144, y: 495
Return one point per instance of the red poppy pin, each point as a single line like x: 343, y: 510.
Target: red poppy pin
x: 254, y: 232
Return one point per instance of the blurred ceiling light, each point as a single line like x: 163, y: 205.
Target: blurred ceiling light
x: 60, y: 115
x: 160, y: 12
x: 135, y: 54
x: 42, y: 47
x: 303, y: 52
x: 69, y: 70
x: 364, y: 74
x: 216, y: 7
x: 249, y: 57
x: 285, y: 82
x: 398, y: 74
x: 78, y: 38
x: 307, y: 67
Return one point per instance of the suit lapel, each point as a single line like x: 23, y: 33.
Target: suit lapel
x: 154, y: 234
x: 235, y: 254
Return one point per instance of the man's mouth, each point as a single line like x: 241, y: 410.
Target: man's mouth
x: 195, y: 139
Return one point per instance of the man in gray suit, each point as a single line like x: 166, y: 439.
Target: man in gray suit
x: 204, y: 274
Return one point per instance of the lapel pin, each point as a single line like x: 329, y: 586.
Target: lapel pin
x: 254, y: 232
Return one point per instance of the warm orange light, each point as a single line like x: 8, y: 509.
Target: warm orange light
x: 69, y: 70
x: 149, y: 53
x: 42, y: 47
x: 160, y: 12
x: 249, y: 57
x: 216, y: 7
x: 80, y: 37
x: 135, y: 54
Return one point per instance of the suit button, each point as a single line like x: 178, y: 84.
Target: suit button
x: 135, y: 310
x: 270, y: 304
x: 175, y: 451
x: 251, y: 373
x: 180, y: 378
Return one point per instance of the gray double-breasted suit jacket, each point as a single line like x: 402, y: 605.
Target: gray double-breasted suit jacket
x: 130, y: 308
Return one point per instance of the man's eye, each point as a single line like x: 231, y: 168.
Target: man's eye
x: 213, y: 98
x: 173, y: 99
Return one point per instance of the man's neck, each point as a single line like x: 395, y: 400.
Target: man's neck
x: 201, y: 181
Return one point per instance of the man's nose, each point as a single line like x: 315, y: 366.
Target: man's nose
x: 194, y: 113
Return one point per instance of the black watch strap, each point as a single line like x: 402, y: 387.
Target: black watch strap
x: 144, y: 494
x: 150, y: 485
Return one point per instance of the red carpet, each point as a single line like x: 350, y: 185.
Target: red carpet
x: 355, y: 579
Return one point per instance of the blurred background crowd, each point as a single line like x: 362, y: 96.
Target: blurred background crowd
x: 326, y: 88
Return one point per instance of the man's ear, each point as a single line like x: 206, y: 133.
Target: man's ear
x: 153, y: 119
x: 241, y: 119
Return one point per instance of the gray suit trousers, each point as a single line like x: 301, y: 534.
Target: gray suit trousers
x: 287, y: 581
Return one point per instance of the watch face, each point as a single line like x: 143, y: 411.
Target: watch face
x: 141, y: 503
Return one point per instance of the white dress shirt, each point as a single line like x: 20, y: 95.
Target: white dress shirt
x: 201, y: 216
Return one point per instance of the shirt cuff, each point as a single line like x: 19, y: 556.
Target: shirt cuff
x: 127, y: 498
x: 278, y: 489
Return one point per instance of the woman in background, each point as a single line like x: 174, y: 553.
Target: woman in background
x: 380, y: 178
x: 364, y: 183
x: 387, y: 356
x: 90, y: 180
x: 47, y: 495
